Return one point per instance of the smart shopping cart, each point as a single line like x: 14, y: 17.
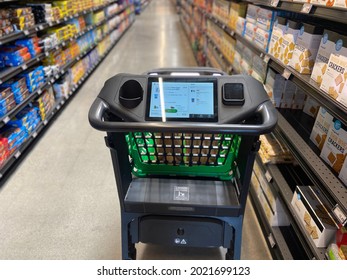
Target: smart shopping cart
x: 183, y: 143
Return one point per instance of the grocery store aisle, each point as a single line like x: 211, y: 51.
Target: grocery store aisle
x: 61, y: 203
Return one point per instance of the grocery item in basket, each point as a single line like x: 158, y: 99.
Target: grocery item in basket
x: 331, y: 43
x: 334, y: 149
x: 321, y: 127
x: 335, y: 78
x: 306, y: 48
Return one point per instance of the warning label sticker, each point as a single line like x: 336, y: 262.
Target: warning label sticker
x: 181, y: 193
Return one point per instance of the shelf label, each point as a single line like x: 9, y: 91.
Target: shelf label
x: 35, y: 134
x: 268, y: 176
x: 58, y: 107
x: 58, y: 21
x: 46, y: 53
x: 232, y: 33
x: 306, y: 8
x: 62, y: 72
x: 274, y: 3
x: 26, y: 32
x: 39, y: 91
x: 24, y: 67
x: 45, y: 122
x: 340, y: 215
x: 286, y: 74
x: 6, y: 120
x: 52, y: 81
x: 57, y: 76
x: 271, y: 240
x: 41, y: 27
x: 17, y: 155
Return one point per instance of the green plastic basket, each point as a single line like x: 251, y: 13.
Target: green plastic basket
x: 183, y: 154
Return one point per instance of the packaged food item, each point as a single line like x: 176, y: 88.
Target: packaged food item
x: 252, y: 13
x: 289, y: 40
x: 299, y: 99
x: 240, y: 26
x: 336, y: 3
x: 265, y: 18
x: 259, y: 68
x: 247, y: 61
x: 7, y: 102
x: 250, y: 31
x: 262, y: 38
x: 335, y: 78
x: 288, y: 94
x: 237, y: 13
x: 306, y: 48
x: 321, y: 127
x: 273, y: 151
x: 276, y: 83
x: 276, y: 40
x: 14, y: 55
x: 333, y: 253
x: 331, y: 43
x: 334, y: 148
x: 311, y: 107
x: 314, y: 213
x: 15, y: 84
x: 343, y: 172
x: 15, y: 137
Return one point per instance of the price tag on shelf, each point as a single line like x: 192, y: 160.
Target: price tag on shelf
x: 268, y: 176
x: 34, y: 134
x: 39, y: 91
x: 274, y: 3
x: 306, y: 8
x: 62, y: 72
x: 24, y: 67
x: 271, y: 240
x: 52, y: 81
x: 58, y: 21
x: 6, y: 120
x: 57, y: 76
x: 50, y: 24
x: 65, y: 18
x: 286, y: 74
x: 45, y: 122
x: 26, y: 32
x: 340, y: 215
x: 232, y: 33
x: 46, y: 53
x: 41, y: 27
x: 58, y: 107
x: 63, y: 44
x: 17, y: 155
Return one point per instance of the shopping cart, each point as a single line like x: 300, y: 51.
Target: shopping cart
x: 183, y: 143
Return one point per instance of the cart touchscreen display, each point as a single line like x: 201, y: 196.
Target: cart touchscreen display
x: 182, y: 99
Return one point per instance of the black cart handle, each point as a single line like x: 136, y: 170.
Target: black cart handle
x: 266, y: 110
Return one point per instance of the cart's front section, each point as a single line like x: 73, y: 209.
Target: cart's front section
x: 183, y: 148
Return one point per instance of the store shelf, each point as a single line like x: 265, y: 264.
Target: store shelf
x: 23, y: 150
x: 311, y: 163
x: 330, y: 13
x: 10, y: 72
x: 287, y: 194
x: 273, y: 235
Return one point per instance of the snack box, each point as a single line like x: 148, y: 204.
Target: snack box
x: 15, y: 84
x: 314, y: 213
x: 4, y: 92
x: 311, y: 107
x: 240, y: 26
x: 6, y: 102
x: 289, y: 40
x: 250, y: 31
x: 4, y: 109
x: 331, y: 43
x: 299, y: 99
x: 321, y: 127
x: 306, y: 48
x: 262, y: 38
x: 265, y: 18
x: 252, y: 13
x: 335, y: 78
x: 334, y: 148
x: 19, y: 96
x: 288, y: 94
x: 275, y: 43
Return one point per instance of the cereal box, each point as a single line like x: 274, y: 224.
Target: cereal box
x: 331, y: 42
x: 277, y: 37
x: 335, y: 78
x: 289, y: 40
x: 321, y: 127
x: 306, y: 48
x: 334, y: 148
x: 314, y: 213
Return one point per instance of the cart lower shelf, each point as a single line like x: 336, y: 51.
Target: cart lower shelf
x: 184, y: 196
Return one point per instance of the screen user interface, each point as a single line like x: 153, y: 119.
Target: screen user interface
x: 182, y: 100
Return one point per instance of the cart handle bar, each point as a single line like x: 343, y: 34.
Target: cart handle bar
x: 266, y: 110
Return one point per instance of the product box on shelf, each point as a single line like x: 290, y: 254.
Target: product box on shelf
x: 265, y: 18
x: 321, y: 127
x: 288, y: 94
x: 259, y: 68
x: 335, y: 78
x: 252, y: 13
x: 240, y: 26
x: 275, y: 83
x: 272, y: 151
x: 13, y: 55
x: 6, y: 103
x: 239, y: 47
x: 331, y: 43
x: 289, y: 40
x: 314, y: 213
x: 275, y: 43
x: 220, y: 9
x: 250, y: 31
x: 262, y: 38
x: 237, y: 12
x: 15, y: 137
x: 311, y: 107
x: 306, y: 48
x: 334, y: 148
x: 299, y: 99
x: 247, y: 61
x: 337, y: 3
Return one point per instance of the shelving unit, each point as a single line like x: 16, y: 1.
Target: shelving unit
x: 12, y: 162
x: 294, y: 133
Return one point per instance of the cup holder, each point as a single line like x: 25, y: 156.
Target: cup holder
x: 131, y: 94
